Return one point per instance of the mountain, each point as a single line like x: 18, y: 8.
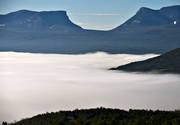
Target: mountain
x: 148, y: 31
x: 104, y: 116
x: 166, y: 63
x: 147, y: 17
x: 25, y: 20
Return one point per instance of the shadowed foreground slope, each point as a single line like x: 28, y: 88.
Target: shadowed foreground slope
x: 102, y: 116
x: 166, y: 63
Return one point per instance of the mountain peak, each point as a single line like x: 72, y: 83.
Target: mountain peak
x: 149, y: 17
x: 145, y: 9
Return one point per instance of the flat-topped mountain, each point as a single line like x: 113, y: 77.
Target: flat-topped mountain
x: 25, y: 20
x: 166, y: 63
x: 149, y: 31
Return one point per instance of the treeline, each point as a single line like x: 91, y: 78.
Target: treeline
x: 103, y: 116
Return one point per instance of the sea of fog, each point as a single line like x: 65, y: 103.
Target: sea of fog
x: 31, y: 84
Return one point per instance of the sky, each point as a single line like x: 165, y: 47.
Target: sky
x: 89, y: 14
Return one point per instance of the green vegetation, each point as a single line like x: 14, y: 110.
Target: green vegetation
x: 103, y: 116
x: 166, y: 63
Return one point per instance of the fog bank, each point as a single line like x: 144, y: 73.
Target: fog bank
x: 36, y: 83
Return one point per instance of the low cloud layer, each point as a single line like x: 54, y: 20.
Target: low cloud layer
x: 36, y: 83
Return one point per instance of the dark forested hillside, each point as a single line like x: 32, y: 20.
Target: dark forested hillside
x: 102, y: 116
x: 166, y: 63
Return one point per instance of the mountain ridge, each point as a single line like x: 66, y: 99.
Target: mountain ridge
x: 51, y: 34
x: 170, y: 13
x: 151, y: 17
x: 166, y: 63
x: 103, y: 116
x: 27, y: 20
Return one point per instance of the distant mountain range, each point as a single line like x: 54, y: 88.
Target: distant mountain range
x: 166, y: 63
x: 148, y: 31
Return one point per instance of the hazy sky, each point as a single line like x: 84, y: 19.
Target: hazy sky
x: 93, y: 14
